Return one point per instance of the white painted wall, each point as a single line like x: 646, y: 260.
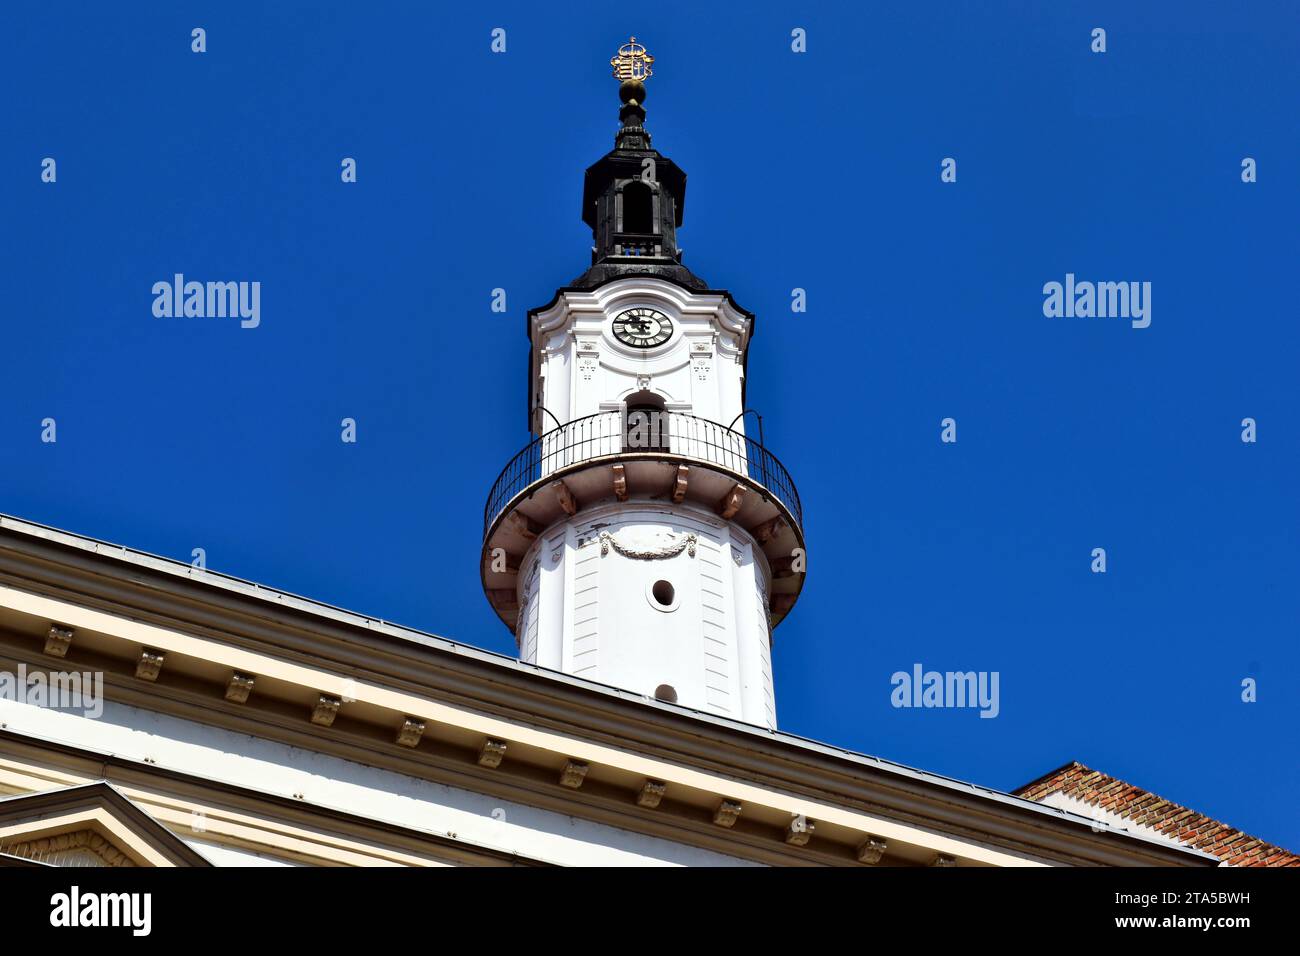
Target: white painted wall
x: 1104, y: 818
x: 597, y: 617
x: 270, y: 767
x: 219, y: 855
x: 583, y: 369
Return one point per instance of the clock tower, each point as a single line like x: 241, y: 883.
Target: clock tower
x: 643, y: 539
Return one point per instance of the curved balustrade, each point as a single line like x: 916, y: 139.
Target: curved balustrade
x: 649, y: 432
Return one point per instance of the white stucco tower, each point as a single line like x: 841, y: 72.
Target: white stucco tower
x: 643, y: 539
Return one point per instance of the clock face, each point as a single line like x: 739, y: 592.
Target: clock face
x: 643, y: 328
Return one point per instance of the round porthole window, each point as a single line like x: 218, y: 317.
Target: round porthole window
x: 662, y: 595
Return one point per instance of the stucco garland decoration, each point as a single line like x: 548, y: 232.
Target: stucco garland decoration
x: 684, y: 543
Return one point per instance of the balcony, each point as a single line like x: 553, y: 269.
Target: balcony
x: 650, y: 455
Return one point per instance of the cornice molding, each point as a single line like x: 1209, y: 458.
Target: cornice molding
x: 572, y: 305
x: 87, y: 840
x: 525, y: 696
x: 178, y: 800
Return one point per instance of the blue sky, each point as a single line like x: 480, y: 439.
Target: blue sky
x: 817, y: 170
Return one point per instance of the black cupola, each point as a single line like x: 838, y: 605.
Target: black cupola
x: 633, y: 197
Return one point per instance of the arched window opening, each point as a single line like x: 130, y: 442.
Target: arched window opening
x: 646, y: 425
x: 638, y: 208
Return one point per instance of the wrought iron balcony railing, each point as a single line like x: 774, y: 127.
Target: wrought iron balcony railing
x: 644, y: 434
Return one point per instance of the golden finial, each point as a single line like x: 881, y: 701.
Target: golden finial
x: 632, y: 62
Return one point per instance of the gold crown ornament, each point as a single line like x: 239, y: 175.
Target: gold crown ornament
x: 632, y: 62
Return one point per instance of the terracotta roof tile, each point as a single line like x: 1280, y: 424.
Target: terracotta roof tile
x: 1171, y: 819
